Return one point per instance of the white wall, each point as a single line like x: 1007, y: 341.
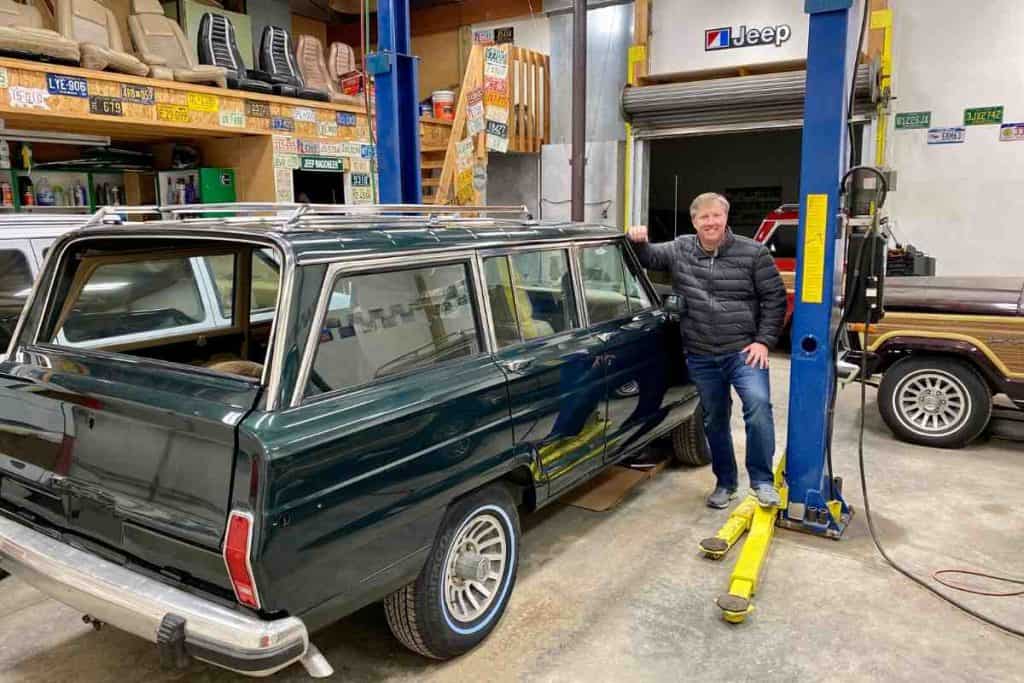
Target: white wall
x: 962, y: 203
x: 677, y: 33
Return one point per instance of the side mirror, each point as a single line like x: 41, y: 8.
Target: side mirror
x: 673, y: 305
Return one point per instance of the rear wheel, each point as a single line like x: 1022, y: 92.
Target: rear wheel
x: 934, y: 401
x: 465, y: 585
x: 689, y: 443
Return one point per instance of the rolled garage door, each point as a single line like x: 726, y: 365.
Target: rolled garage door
x: 728, y: 104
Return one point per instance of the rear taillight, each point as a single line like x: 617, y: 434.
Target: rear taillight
x: 237, y: 553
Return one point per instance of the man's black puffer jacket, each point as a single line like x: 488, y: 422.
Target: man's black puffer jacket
x: 731, y: 298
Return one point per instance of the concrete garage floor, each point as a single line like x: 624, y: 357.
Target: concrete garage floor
x: 624, y: 595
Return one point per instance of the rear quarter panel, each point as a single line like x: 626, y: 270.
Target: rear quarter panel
x: 357, y: 483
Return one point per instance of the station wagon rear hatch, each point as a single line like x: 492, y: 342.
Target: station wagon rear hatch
x: 118, y: 419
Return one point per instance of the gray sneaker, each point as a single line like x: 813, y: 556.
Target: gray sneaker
x: 721, y: 497
x: 766, y: 495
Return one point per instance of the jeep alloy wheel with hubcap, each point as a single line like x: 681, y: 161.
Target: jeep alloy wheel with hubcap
x: 935, y: 401
x: 466, y: 582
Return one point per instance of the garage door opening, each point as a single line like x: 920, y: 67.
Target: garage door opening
x: 757, y: 172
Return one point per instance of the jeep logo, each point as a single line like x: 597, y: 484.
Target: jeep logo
x: 730, y: 37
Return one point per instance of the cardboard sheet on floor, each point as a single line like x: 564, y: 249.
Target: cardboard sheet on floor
x: 609, y: 488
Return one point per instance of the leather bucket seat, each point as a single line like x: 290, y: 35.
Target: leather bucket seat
x: 309, y: 53
x: 24, y: 34
x: 219, y: 47
x: 95, y: 29
x: 278, y: 59
x: 161, y: 44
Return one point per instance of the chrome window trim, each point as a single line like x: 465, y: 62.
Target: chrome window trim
x: 484, y: 302
x: 652, y: 295
x: 271, y: 377
x: 338, y: 269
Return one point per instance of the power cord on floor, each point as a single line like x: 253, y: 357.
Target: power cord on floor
x: 975, y: 591
x: 881, y: 549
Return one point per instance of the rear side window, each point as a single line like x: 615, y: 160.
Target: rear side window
x: 15, y: 286
x: 611, y: 285
x: 133, y: 297
x: 381, y: 324
x: 782, y: 243
x: 265, y: 276
x: 531, y: 295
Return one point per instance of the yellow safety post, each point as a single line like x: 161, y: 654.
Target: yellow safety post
x: 737, y: 603
x: 738, y: 523
x: 637, y: 54
x: 882, y: 19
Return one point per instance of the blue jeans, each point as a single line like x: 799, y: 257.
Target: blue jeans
x: 714, y: 375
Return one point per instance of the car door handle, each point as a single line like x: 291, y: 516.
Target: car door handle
x: 605, y: 337
x: 517, y: 365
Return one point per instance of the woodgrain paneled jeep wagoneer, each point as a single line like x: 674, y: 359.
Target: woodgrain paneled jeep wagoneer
x: 356, y: 406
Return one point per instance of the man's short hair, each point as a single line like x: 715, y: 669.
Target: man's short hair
x: 705, y: 198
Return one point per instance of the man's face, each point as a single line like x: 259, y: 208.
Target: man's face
x: 710, y: 222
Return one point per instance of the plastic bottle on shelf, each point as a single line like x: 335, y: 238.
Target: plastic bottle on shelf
x: 170, y: 196
x: 180, y: 192
x: 44, y: 195
x: 5, y: 154
x: 6, y: 194
x: 58, y: 196
x: 190, y: 190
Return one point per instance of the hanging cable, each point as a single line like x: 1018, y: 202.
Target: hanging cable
x: 853, y: 90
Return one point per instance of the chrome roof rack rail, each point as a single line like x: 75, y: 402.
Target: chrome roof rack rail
x: 106, y: 215
x: 286, y: 216
x: 431, y: 212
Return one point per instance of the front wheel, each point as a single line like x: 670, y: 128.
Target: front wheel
x: 689, y: 442
x: 933, y: 401
x: 466, y: 582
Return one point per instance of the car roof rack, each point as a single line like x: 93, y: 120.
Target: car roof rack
x: 285, y: 216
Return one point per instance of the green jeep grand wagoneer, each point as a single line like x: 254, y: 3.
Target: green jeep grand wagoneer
x: 222, y: 434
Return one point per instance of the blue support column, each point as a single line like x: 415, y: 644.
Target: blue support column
x: 398, y: 116
x: 831, y: 65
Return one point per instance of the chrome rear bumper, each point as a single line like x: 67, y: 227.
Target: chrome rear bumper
x: 138, y: 604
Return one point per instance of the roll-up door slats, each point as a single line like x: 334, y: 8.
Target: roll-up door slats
x: 742, y: 101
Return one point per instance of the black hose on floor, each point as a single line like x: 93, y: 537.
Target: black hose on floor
x: 878, y: 543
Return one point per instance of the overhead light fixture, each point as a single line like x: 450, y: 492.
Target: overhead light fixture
x: 55, y: 138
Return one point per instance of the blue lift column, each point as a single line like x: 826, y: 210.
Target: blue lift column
x: 398, y: 113
x: 815, y: 503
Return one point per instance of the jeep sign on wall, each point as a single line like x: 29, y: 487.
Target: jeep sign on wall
x: 743, y: 36
x: 715, y: 35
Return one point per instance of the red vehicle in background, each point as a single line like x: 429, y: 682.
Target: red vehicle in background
x: 778, y: 231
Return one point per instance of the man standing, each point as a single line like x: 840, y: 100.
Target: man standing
x: 734, y: 304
